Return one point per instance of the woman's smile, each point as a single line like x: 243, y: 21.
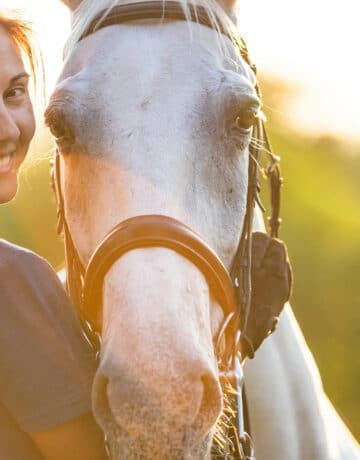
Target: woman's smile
x: 7, y: 162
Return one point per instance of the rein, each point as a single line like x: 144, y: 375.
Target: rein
x: 232, y: 290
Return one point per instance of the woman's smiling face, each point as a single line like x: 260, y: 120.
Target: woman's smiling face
x: 17, y: 123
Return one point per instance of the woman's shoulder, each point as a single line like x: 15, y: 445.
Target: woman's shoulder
x: 20, y: 266
x: 12, y: 255
x: 45, y: 359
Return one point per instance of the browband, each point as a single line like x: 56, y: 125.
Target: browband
x: 127, y: 12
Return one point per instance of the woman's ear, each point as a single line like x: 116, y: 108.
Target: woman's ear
x: 72, y: 4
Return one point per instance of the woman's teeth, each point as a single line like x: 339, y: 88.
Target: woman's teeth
x: 5, y: 160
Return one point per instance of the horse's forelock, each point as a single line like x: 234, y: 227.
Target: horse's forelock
x: 88, y: 9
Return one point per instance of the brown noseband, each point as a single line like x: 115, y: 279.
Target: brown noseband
x: 152, y: 231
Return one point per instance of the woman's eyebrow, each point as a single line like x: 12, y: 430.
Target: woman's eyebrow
x: 18, y: 77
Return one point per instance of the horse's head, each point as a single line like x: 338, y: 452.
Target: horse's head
x: 155, y: 118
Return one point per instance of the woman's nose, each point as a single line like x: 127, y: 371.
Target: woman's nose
x: 9, y: 130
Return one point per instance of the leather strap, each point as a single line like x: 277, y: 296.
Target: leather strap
x: 127, y: 12
x: 153, y: 231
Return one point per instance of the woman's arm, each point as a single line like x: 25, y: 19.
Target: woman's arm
x: 47, y: 365
x: 76, y: 439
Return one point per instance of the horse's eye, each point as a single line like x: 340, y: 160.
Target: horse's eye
x: 56, y: 122
x: 57, y: 128
x: 248, y: 112
x: 246, y: 119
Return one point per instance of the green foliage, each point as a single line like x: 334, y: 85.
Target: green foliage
x: 321, y: 227
x: 30, y: 219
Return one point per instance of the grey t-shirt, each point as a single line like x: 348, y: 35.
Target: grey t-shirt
x: 46, y: 364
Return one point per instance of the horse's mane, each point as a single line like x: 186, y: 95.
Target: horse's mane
x: 88, y: 9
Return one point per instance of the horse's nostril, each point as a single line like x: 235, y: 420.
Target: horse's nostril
x: 211, y: 405
x: 102, y: 411
x: 133, y: 405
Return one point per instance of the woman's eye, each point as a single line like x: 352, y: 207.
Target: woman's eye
x: 16, y: 92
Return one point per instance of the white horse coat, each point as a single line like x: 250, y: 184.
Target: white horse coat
x: 119, y: 119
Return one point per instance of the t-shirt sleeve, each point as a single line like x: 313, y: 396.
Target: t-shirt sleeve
x: 46, y: 364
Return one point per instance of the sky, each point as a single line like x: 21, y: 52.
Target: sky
x: 312, y: 45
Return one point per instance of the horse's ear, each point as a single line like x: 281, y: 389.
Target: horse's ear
x: 72, y: 4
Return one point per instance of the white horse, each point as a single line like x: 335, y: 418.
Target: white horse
x: 147, y: 120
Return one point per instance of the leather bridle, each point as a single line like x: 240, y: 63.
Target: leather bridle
x: 232, y: 291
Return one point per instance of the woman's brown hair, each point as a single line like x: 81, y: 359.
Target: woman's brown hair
x: 22, y: 34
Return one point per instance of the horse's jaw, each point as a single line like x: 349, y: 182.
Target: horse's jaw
x: 162, y: 400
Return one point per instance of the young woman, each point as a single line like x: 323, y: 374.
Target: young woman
x: 46, y: 365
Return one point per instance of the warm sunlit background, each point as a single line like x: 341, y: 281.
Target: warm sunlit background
x: 307, y: 56
x: 312, y: 44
